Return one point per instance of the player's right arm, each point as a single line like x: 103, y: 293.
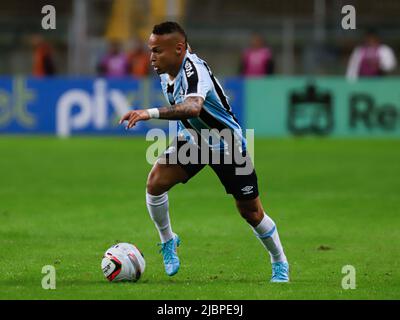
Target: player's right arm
x: 197, y: 83
x: 189, y: 108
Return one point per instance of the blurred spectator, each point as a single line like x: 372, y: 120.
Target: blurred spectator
x: 257, y: 59
x: 139, y: 60
x: 114, y: 63
x: 372, y: 59
x: 43, y: 63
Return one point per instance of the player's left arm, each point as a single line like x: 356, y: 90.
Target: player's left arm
x: 189, y: 108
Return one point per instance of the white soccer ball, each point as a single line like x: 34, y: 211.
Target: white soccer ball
x: 123, y: 262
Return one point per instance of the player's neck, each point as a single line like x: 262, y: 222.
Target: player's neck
x: 171, y: 78
x: 172, y: 74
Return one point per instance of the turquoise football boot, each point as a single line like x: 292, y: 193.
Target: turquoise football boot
x: 169, y: 252
x: 280, y: 272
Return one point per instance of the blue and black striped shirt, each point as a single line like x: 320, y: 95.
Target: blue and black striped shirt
x: 196, y: 79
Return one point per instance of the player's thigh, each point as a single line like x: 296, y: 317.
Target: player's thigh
x: 242, y: 184
x: 162, y: 177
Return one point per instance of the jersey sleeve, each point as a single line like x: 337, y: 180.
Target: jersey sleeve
x: 163, y: 83
x: 387, y: 58
x: 198, y: 81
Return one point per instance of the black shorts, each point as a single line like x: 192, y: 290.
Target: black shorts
x: 237, y: 175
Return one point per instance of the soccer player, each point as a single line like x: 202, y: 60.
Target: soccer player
x: 197, y: 100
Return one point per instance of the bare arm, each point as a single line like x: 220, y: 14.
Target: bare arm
x: 190, y: 108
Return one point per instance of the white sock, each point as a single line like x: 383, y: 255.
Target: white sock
x: 158, y: 210
x: 267, y: 233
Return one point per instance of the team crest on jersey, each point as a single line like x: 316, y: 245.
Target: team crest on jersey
x: 189, y: 69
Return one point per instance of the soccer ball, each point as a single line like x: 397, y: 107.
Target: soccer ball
x: 123, y: 262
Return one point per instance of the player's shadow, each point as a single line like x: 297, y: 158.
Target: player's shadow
x: 202, y: 282
x: 82, y: 282
x: 59, y: 283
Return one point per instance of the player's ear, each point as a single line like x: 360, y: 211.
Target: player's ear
x: 180, y: 47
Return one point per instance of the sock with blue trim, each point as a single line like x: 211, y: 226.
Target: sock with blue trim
x: 267, y: 233
x: 159, y: 213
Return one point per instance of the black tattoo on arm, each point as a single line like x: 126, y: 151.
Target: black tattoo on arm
x: 190, y: 108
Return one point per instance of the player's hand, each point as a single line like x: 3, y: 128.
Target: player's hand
x: 134, y: 116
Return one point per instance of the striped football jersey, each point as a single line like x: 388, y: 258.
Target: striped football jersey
x: 195, y: 78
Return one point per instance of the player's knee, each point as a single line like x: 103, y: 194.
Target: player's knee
x: 247, y: 207
x: 250, y: 211
x: 156, y: 184
x: 251, y: 216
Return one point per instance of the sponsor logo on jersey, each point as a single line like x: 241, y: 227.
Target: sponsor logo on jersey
x: 189, y: 69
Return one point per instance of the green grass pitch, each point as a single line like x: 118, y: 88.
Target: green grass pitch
x: 64, y: 202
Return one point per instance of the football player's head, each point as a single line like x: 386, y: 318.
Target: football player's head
x: 168, y: 45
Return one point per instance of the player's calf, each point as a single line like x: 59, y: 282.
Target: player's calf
x: 251, y: 211
x: 266, y: 231
x: 160, y: 180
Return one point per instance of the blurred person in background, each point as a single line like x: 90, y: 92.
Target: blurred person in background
x: 257, y: 59
x: 139, y: 60
x: 372, y: 59
x: 114, y: 63
x: 43, y: 62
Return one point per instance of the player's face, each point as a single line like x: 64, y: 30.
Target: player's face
x: 166, y: 53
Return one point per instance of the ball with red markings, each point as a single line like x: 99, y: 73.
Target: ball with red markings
x: 123, y: 262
